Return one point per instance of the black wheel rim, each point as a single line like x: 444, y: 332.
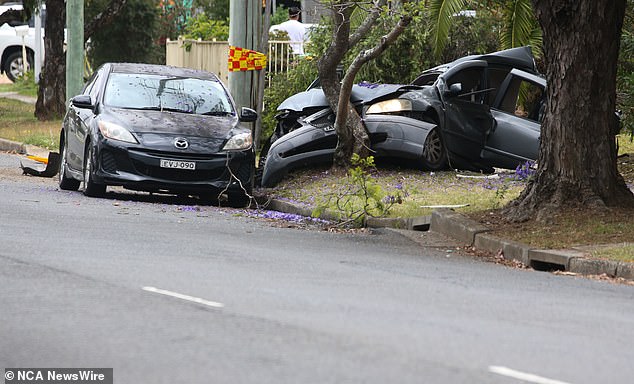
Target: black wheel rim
x: 432, y: 151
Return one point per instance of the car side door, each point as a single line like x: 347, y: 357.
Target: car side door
x: 467, y: 116
x: 518, y: 111
x: 76, y: 120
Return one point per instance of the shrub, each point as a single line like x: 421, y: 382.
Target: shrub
x: 204, y: 28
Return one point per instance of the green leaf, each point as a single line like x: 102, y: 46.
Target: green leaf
x: 441, y: 12
x: 520, y: 27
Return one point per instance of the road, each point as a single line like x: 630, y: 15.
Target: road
x: 165, y: 291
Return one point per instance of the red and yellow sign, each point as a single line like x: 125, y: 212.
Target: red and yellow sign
x: 241, y: 59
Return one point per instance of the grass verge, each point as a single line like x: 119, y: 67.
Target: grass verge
x: 24, y: 86
x: 483, y: 197
x: 18, y: 123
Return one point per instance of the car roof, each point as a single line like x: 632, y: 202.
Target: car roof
x: 520, y: 57
x: 162, y: 70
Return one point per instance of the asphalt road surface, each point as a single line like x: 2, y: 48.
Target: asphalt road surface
x: 166, y: 291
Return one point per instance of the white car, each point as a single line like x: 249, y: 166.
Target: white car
x: 11, y: 60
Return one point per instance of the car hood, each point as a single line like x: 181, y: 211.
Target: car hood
x: 360, y: 93
x: 172, y: 123
x: 158, y: 130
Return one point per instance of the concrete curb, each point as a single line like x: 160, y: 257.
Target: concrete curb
x: 472, y: 233
x: 421, y: 223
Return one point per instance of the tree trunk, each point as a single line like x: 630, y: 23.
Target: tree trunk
x: 329, y: 80
x: 351, y: 133
x: 51, y: 94
x: 577, y: 165
x: 347, y: 117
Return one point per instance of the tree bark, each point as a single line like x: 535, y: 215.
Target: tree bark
x: 577, y: 165
x: 347, y: 116
x: 327, y: 67
x: 51, y: 94
x: 352, y: 135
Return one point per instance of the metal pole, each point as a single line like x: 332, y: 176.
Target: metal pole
x: 74, y: 47
x: 38, y: 43
x: 264, y: 43
x: 244, y: 25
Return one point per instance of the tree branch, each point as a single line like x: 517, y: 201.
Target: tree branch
x: 370, y: 54
x: 367, y: 24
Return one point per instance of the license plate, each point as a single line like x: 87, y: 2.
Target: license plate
x: 177, y: 164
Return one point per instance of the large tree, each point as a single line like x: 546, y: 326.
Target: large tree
x: 577, y: 165
x: 352, y: 136
x: 51, y: 95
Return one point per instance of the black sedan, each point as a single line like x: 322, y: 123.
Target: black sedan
x: 158, y: 129
x: 478, y: 112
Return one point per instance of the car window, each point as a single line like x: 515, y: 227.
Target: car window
x: 90, y: 85
x: 426, y: 78
x: 496, y: 77
x: 188, y: 95
x: 524, y: 99
x: 472, y: 81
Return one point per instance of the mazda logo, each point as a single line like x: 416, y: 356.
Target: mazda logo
x: 181, y: 143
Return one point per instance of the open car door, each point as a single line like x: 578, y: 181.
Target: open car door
x: 467, y: 115
x: 518, y: 111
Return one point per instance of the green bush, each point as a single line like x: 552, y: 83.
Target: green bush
x: 204, y: 28
x: 359, y: 197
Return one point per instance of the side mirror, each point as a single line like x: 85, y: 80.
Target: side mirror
x: 248, y: 115
x: 454, y: 89
x: 82, y: 101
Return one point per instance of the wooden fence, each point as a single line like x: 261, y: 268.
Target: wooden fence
x: 212, y: 56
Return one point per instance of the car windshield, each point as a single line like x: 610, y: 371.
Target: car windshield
x: 163, y: 93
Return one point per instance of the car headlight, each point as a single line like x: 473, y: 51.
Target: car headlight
x: 239, y: 142
x: 115, y: 132
x: 390, y: 106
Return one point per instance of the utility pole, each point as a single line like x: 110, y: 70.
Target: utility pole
x: 74, y: 47
x: 245, y: 18
x: 38, y: 42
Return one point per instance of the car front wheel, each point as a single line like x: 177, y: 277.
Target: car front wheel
x: 66, y: 183
x: 91, y: 188
x: 434, y: 151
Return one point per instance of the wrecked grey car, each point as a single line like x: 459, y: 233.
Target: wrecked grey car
x: 478, y: 112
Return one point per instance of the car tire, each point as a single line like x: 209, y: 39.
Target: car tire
x: 66, y: 183
x: 91, y: 188
x: 434, y: 152
x: 13, y: 67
